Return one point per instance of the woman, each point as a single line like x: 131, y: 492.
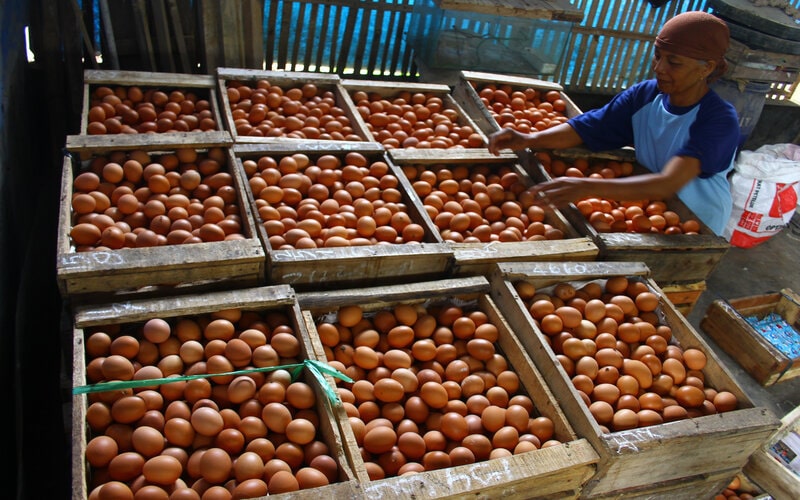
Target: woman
x: 682, y: 131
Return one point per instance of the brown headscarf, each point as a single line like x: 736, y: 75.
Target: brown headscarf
x: 698, y: 35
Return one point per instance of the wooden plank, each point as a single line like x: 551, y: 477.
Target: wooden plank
x: 231, y: 33
x: 180, y: 42
x: 631, y: 460
x: 143, y: 38
x: 555, y: 475
x: 533, y: 9
x: 271, y: 21
x: 108, y: 34
x: 311, y: 40
x: 253, y: 33
x: 210, y: 35
x: 347, y: 40
x: 163, y: 44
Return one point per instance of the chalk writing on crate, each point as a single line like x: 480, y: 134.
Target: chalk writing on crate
x: 115, y: 310
x: 88, y: 258
x: 627, y: 441
x: 482, y: 475
x: 347, y: 273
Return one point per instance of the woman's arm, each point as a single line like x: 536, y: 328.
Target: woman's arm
x: 558, y: 137
x: 679, y: 171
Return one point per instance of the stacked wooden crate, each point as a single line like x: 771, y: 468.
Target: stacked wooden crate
x: 280, y: 266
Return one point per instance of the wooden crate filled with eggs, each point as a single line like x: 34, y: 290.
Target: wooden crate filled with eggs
x: 264, y: 425
x: 480, y: 206
x: 154, y: 219
x: 414, y: 119
x: 666, y: 235
x: 287, y: 106
x: 132, y: 107
x: 331, y: 215
x: 507, y: 101
x: 633, y: 378
x: 445, y: 402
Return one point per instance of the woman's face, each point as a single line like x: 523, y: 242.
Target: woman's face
x: 680, y: 76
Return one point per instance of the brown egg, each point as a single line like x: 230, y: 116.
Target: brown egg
x: 602, y: 411
x: 694, y: 359
x: 690, y: 396
x: 725, y: 401
x: 101, y: 450
x: 162, y: 470
x: 380, y: 439
x: 625, y: 419
x: 283, y: 482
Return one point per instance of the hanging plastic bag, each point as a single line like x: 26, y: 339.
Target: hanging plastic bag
x: 765, y: 189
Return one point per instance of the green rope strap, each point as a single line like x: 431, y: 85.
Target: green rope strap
x: 317, y: 368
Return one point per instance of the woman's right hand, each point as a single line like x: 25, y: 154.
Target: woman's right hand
x: 507, y: 138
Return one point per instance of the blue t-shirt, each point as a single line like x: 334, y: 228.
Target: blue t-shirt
x: 641, y: 116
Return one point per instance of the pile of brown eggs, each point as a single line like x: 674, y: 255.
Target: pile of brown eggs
x: 329, y: 201
x: 609, y: 216
x: 430, y: 388
x: 480, y: 203
x: 621, y: 358
x: 228, y: 436
x: 263, y: 109
x: 415, y: 120
x: 739, y: 489
x: 133, y: 199
x: 523, y: 110
x: 134, y: 110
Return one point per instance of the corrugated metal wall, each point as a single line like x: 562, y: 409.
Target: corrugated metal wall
x: 604, y: 53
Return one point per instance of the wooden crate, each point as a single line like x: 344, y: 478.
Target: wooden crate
x: 673, y: 258
x: 557, y: 472
x: 689, y: 458
x: 725, y: 322
x: 355, y: 265
x: 286, y: 80
x: 390, y: 90
x: 93, y: 275
x: 128, y: 318
x: 202, y: 86
x: 773, y: 476
x: 465, y: 92
x: 684, y: 295
x: 478, y: 258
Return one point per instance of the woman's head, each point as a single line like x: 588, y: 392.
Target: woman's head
x: 696, y: 35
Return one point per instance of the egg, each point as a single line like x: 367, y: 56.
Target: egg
x: 625, y: 419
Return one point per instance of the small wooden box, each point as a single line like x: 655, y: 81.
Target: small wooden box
x: 390, y: 90
x: 766, y: 471
x: 127, y: 318
x: 689, y: 458
x: 93, y: 275
x: 466, y: 93
x: 202, y: 87
x: 287, y: 80
x: 478, y: 258
x: 364, y: 264
x: 726, y: 323
x: 550, y: 472
x: 671, y: 258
